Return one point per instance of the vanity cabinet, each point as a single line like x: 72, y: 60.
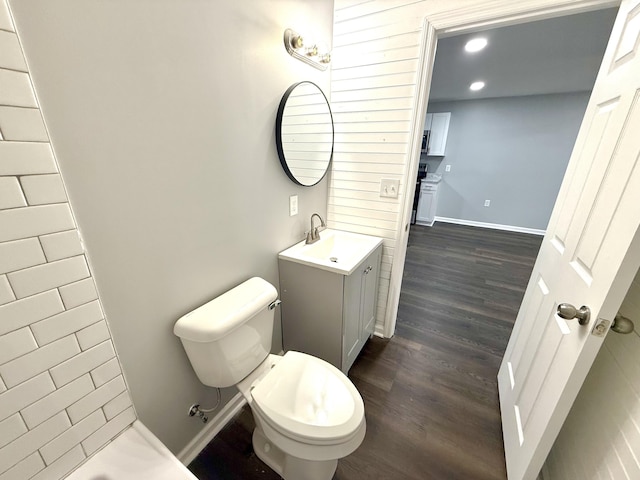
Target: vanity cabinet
x: 436, y: 128
x: 327, y: 314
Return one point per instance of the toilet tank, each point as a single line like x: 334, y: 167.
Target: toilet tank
x: 228, y: 337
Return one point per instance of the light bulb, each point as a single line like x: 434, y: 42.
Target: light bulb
x: 475, y: 44
x: 297, y: 42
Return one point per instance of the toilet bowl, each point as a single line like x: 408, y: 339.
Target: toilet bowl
x: 308, y: 414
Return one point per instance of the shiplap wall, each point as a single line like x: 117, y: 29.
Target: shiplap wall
x: 62, y: 393
x: 374, y: 70
x: 601, y: 437
x: 375, y: 61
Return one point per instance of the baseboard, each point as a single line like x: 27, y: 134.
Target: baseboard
x: 213, y: 427
x: 426, y: 224
x: 495, y: 226
x: 378, y: 331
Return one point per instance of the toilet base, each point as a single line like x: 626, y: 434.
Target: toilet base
x: 288, y: 467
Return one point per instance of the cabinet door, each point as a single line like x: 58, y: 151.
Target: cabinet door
x: 370, y: 294
x: 425, y: 207
x: 439, y: 131
x: 431, y: 215
x: 351, y: 338
x: 361, y: 294
x: 427, y: 121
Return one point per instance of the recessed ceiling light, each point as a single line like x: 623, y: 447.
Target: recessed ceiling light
x: 475, y: 44
x: 476, y: 86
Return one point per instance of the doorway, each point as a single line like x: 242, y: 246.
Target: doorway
x: 507, y: 149
x: 555, y: 401
x: 436, y: 29
x: 508, y: 144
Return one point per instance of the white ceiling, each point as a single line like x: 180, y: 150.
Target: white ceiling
x: 548, y: 56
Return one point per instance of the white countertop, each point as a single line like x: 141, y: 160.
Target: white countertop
x: 336, y: 251
x: 432, y: 178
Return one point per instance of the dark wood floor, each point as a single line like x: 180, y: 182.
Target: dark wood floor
x: 430, y: 392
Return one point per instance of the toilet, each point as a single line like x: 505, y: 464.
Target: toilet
x: 308, y: 414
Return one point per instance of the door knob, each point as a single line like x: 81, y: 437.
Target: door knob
x: 622, y: 324
x: 569, y: 312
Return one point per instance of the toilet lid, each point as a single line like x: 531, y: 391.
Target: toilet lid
x: 305, y: 397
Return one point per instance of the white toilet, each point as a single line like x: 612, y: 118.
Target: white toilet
x: 308, y: 414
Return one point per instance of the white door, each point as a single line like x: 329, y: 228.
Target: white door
x: 588, y: 257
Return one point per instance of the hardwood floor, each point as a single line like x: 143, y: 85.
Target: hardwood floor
x: 430, y: 392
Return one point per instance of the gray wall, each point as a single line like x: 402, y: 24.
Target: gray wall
x: 162, y: 115
x: 512, y: 151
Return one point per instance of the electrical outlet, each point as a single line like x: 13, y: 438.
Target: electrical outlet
x: 447, y: 168
x: 389, y: 188
x: 293, y: 205
x: 487, y: 203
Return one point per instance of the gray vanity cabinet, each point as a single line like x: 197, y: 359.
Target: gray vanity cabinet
x: 327, y: 314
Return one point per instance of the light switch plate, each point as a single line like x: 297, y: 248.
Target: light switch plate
x: 447, y: 168
x: 293, y: 205
x: 389, y: 188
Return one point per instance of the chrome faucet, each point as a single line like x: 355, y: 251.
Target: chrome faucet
x: 313, y: 235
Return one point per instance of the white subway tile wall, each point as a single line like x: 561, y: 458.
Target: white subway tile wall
x: 10, y: 193
x: 78, y: 293
x: 11, y: 428
x: 105, y: 372
x: 81, y: 364
x: 97, y: 439
x: 20, y: 254
x: 62, y: 393
x: 6, y: 23
x: 117, y: 405
x: 22, y: 123
x: 43, y: 189
x: 6, y: 294
x: 23, y: 158
x: 61, y: 245
x: 12, y: 54
x: 27, y: 468
x: 16, y: 89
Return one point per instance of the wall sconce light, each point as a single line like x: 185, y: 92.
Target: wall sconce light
x: 312, y: 55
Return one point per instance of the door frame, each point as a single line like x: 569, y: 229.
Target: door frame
x: 454, y: 22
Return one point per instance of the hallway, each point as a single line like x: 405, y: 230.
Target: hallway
x: 430, y: 392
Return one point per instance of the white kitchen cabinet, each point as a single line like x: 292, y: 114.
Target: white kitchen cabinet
x: 327, y: 314
x: 436, y: 129
x: 427, y: 204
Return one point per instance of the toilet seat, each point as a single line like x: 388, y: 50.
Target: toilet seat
x: 309, y: 400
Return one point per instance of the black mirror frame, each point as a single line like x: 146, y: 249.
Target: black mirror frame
x: 281, y: 155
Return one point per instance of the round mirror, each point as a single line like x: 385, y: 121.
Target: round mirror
x: 304, y: 133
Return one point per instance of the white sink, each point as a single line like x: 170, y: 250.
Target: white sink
x: 336, y: 251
